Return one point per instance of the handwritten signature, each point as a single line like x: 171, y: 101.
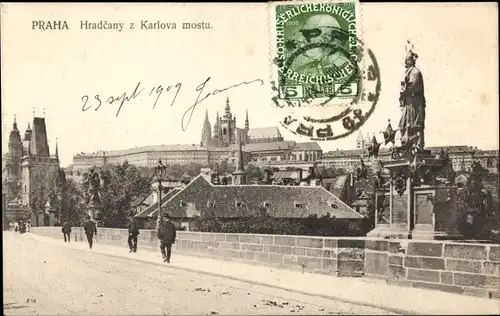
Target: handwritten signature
x: 157, y: 92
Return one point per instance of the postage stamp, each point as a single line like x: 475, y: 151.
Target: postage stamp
x: 323, y: 78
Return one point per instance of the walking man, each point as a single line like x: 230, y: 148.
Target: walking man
x: 66, y: 230
x: 167, y: 235
x: 133, y: 232
x: 90, y: 229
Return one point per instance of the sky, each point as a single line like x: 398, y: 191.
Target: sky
x: 50, y: 72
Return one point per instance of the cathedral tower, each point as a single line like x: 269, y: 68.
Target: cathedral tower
x: 206, y: 134
x: 13, y: 164
x: 359, y: 141
x: 227, y: 128
x: 38, y: 169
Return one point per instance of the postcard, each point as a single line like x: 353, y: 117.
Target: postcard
x: 288, y: 157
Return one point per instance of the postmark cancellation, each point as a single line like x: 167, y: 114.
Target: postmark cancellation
x: 323, y: 78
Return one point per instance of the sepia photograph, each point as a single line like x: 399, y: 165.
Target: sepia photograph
x: 309, y: 157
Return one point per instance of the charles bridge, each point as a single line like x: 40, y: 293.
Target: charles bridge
x: 467, y: 272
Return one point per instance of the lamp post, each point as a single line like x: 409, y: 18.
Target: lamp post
x: 160, y: 174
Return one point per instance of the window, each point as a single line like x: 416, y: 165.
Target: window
x: 25, y: 188
x: 298, y: 205
x: 238, y: 203
x: 183, y: 203
x: 267, y: 204
x: 210, y: 204
x: 334, y: 205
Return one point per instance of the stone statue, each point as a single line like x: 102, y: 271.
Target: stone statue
x: 95, y: 185
x: 412, y: 103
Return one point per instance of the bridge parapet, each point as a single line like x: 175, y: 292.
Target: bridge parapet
x: 463, y: 268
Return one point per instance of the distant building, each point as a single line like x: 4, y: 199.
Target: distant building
x: 29, y: 170
x: 263, y: 146
x: 461, y: 156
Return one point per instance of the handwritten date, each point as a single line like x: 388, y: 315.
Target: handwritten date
x: 156, y: 92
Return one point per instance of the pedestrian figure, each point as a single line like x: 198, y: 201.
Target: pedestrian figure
x: 133, y: 232
x: 22, y: 227
x: 16, y: 227
x: 66, y: 230
x: 28, y: 225
x: 167, y: 235
x: 90, y: 229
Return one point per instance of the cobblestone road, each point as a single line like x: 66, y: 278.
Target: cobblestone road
x: 44, y: 279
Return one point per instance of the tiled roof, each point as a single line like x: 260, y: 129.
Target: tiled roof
x: 139, y: 200
x: 482, y: 153
x: 201, y: 197
x: 152, y: 210
x: 386, y: 151
x: 264, y: 133
x: 452, y: 149
x: 345, y: 153
x: 39, y: 143
x: 136, y: 150
x: 285, y: 175
x: 307, y: 146
x: 254, y: 147
x: 340, y: 184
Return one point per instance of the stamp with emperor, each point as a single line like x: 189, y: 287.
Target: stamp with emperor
x: 319, y: 69
x: 317, y: 44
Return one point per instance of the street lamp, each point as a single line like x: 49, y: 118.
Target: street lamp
x: 160, y: 175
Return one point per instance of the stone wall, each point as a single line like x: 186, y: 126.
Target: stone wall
x: 470, y: 269
x: 464, y: 268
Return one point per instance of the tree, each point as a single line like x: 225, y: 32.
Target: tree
x: 447, y: 172
x: 192, y: 169
x: 475, y: 206
x: 119, y: 186
x: 224, y: 167
x: 330, y: 172
x: 320, y: 172
x: 71, y: 208
x: 254, y: 173
x: 341, y: 172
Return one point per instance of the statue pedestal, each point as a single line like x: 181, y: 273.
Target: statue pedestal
x: 52, y: 219
x: 435, y: 212
x: 417, y: 210
x: 94, y: 210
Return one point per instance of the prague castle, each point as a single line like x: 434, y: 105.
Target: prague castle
x: 28, y: 169
x: 261, y: 146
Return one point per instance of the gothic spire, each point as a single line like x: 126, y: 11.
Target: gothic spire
x: 227, y: 110
x: 15, y: 123
x: 206, y: 115
x: 247, y: 124
x: 57, y: 151
x: 360, y: 136
x: 239, y: 174
x: 206, y: 134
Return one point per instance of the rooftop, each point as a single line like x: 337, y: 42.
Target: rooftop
x: 264, y: 133
x: 201, y: 197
